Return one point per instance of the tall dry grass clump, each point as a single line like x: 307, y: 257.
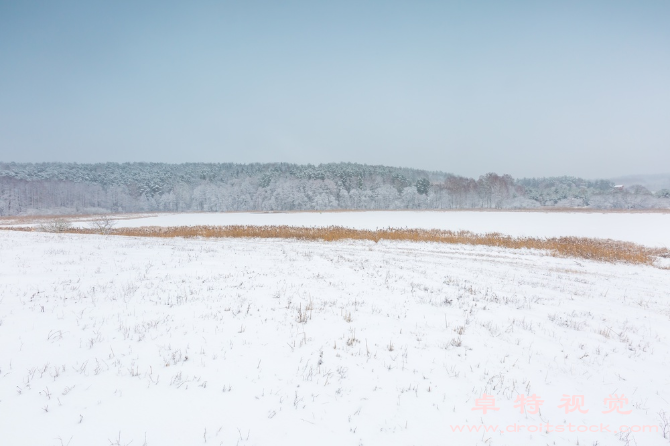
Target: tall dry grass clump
x: 580, y: 247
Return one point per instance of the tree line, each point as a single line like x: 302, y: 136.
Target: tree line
x: 59, y: 188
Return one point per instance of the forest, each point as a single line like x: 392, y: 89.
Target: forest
x: 73, y: 188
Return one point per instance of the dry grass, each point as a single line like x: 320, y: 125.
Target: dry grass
x: 585, y: 248
x: 72, y: 218
x: 37, y: 219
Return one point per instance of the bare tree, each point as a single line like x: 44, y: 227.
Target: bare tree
x: 104, y: 224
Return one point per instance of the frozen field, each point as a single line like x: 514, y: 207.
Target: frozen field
x: 652, y: 229
x: 115, y: 341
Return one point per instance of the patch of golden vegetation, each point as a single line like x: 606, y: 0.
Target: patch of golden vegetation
x: 585, y: 248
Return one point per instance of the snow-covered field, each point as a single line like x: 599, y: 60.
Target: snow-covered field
x: 645, y: 228
x: 649, y: 229
x: 115, y: 340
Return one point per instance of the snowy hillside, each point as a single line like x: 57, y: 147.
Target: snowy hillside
x: 116, y: 340
x: 73, y: 188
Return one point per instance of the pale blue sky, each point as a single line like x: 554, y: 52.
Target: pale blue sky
x: 526, y: 88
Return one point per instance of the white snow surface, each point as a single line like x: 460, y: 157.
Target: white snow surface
x: 651, y: 229
x: 112, y: 340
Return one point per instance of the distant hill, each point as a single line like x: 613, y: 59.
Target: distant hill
x: 57, y: 188
x: 652, y: 182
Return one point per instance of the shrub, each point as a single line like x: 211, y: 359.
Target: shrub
x: 55, y: 225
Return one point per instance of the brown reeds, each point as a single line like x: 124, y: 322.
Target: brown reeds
x: 580, y: 247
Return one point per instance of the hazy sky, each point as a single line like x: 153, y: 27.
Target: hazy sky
x: 526, y: 88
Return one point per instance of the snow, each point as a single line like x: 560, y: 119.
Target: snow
x: 644, y: 228
x: 111, y: 340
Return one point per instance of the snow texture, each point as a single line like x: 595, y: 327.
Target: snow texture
x: 112, y: 340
